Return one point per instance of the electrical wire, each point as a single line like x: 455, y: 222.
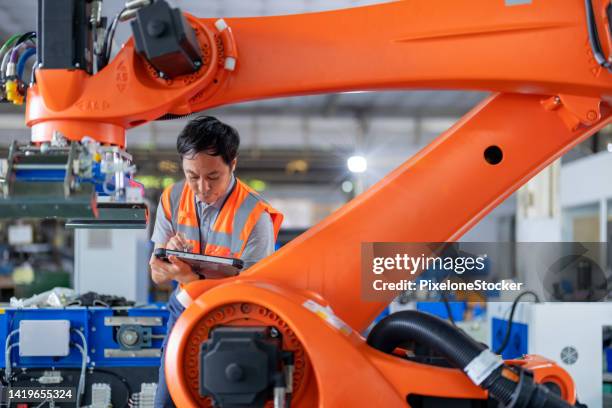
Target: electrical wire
x: 506, y: 340
x: 9, y: 42
x: 9, y: 52
x: 448, y: 308
x: 11, y: 334
x: 10, y: 59
x: 7, y: 362
x: 5, y: 60
x: 8, y: 367
x: 105, y: 54
x: 4, y: 49
x: 81, y: 335
x: 29, y: 52
x: 24, y: 37
x: 81, y: 386
x: 84, y: 349
x: 7, y: 355
x: 93, y: 371
x: 19, y: 44
x: 594, y: 37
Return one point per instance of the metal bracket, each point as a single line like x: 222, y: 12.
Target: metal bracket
x: 138, y: 320
x: 118, y: 353
x: 114, y: 215
x: 575, y: 110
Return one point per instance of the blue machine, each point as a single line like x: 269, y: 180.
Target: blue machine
x: 116, y: 337
x: 518, y: 343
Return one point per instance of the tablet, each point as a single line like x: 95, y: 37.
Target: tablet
x: 207, y: 266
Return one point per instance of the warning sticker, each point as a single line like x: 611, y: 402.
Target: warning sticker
x: 327, y: 314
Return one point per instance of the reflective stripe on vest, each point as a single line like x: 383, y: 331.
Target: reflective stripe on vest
x: 173, y: 202
x: 233, y: 225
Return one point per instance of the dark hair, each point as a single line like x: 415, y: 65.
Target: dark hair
x: 210, y: 135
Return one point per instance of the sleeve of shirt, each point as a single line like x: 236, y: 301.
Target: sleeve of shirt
x: 163, y: 230
x: 261, y: 241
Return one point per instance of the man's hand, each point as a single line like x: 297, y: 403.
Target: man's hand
x: 179, y: 243
x: 177, y: 270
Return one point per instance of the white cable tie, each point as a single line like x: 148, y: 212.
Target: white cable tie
x: 11, y: 69
x: 482, y: 366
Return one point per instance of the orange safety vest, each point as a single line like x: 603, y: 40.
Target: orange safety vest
x: 234, y: 223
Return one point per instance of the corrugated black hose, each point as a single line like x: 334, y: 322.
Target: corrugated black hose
x: 460, y: 350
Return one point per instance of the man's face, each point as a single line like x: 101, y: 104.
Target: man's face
x: 208, y: 176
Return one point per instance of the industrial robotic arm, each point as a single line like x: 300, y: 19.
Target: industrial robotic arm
x: 288, y: 328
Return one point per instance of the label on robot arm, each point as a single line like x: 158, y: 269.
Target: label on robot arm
x: 327, y: 314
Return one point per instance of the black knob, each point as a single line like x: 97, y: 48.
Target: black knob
x: 234, y: 372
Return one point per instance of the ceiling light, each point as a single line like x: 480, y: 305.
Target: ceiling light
x: 297, y: 166
x: 347, y: 186
x: 168, y: 166
x: 357, y: 164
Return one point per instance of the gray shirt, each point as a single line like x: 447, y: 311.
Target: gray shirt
x: 259, y: 244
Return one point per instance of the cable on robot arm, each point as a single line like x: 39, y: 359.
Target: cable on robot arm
x: 594, y: 36
x: 14, y: 55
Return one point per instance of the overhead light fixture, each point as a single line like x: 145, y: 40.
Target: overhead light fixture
x: 357, y: 164
x: 297, y: 166
x: 347, y: 186
x: 168, y: 166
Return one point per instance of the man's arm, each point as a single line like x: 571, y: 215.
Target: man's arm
x: 163, y: 230
x: 260, y: 243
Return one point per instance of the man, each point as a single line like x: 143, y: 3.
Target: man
x: 210, y: 212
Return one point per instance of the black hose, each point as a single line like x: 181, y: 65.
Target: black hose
x: 460, y: 350
x: 453, y: 344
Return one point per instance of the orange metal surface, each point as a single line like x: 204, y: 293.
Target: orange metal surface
x: 550, y: 94
x: 416, y: 197
x: 541, y: 48
x: 346, y: 372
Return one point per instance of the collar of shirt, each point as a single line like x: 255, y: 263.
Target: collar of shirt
x: 217, y: 204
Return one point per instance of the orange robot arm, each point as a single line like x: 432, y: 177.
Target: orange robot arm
x: 550, y: 93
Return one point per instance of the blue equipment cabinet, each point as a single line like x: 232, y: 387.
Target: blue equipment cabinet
x: 517, y: 343
x: 100, y: 327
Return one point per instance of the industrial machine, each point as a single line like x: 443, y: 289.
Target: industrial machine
x: 107, y: 355
x: 577, y: 344
x: 287, y: 330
